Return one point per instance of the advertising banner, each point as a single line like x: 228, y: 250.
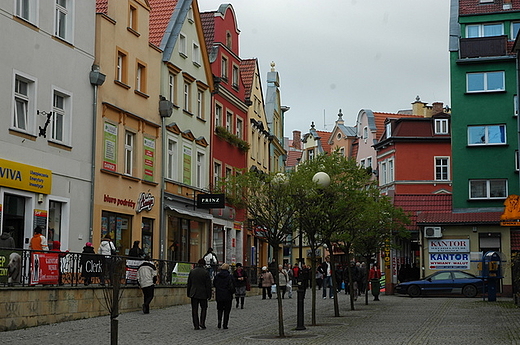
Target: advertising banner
x: 10, y: 266
x: 110, y: 147
x: 44, y: 268
x: 449, y: 246
x: 449, y: 261
x: 180, y: 273
x: 131, y: 270
x: 25, y: 177
x: 149, y: 154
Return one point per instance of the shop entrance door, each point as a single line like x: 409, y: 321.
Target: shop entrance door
x: 13, y: 220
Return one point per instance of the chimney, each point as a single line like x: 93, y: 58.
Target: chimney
x: 437, y: 107
x: 507, y: 5
x: 297, y: 140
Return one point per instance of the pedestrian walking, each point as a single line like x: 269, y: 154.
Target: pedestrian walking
x: 282, y: 280
x: 224, y: 289
x: 86, y: 255
x: 146, y: 278
x: 6, y: 240
x: 210, y: 262
x: 199, y: 290
x: 326, y: 270
x: 135, y: 251
x: 290, y: 280
x: 106, y: 248
x: 266, y: 281
x: 241, y: 283
x: 38, y: 241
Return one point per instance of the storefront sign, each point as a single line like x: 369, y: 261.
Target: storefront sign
x: 110, y: 147
x: 119, y: 202
x: 449, y: 261
x: 40, y: 219
x: 25, y: 177
x: 149, y: 158
x: 449, y: 246
x: 211, y: 200
x: 145, y: 202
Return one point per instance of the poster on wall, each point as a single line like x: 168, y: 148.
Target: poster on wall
x: 40, y: 218
x: 149, y: 154
x: 104, y: 226
x: 186, y: 165
x: 10, y: 267
x: 110, y: 147
x: 44, y: 268
x: 449, y: 254
x: 180, y: 273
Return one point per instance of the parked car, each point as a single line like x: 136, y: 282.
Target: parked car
x: 442, y: 283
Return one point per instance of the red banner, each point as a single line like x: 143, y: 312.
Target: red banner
x: 44, y: 268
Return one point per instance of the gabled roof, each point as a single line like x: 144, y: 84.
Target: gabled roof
x: 293, y: 158
x: 247, y: 72
x: 208, y: 26
x: 324, y: 141
x: 380, y: 118
x: 160, y: 17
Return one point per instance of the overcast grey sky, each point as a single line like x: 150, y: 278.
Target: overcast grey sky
x: 346, y: 54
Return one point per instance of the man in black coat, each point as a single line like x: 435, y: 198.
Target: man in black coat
x: 199, y: 290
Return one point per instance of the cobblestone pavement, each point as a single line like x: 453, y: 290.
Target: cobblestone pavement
x: 392, y: 320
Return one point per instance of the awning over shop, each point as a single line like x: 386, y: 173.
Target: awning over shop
x: 187, y: 211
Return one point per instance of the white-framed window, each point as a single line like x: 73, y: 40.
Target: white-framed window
x: 485, y: 81
x: 515, y: 27
x: 240, y: 128
x: 217, y: 173
x: 362, y: 163
x: 183, y: 45
x: 63, y: 24
x: 487, y: 135
x: 24, y: 108
x: 310, y: 154
x: 129, y: 152
x: 186, y: 97
x: 387, y: 171
x: 200, y: 104
x: 218, y: 115
x: 201, y: 169
x: 224, y: 68
x: 441, y: 126
x: 140, y: 78
x: 442, y: 168
x: 121, y: 67
x: 515, y: 104
x: 190, y: 15
x: 132, y: 18
x: 383, y: 175
x: 369, y: 162
x: 488, y: 189
x: 235, y: 76
x: 390, y: 170
x: 517, y: 164
x: 27, y: 10
x: 172, y: 87
x: 365, y: 133
x: 484, y: 30
x: 171, y: 171
x: 61, y: 116
x: 388, y: 130
x: 196, y: 54
x: 229, y: 121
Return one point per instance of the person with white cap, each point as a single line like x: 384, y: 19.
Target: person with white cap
x: 266, y: 281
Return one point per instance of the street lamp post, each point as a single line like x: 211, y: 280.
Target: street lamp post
x: 322, y: 179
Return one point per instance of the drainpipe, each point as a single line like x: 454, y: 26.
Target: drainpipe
x: 165, y: 110
x: 96, y: 79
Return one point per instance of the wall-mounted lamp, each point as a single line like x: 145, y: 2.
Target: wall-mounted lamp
x: 96, y: 77
x: 475, y: 229
x: 165, y: 107
x: 40, y: 198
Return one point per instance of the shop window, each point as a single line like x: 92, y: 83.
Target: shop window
x: 147, y: 236
x: 119, y: 227
x: 55, y: 222
x: 13, y: 218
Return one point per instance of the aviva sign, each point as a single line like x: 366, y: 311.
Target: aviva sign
x: 25, y: 177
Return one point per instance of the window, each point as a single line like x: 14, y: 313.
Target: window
x: 229, y: 121
x: 235, y: 76
x: 388, y: 130
x: 183, y: 45
x: 310, y: 154
x: 390, y: 170
x: 365, y: 133
x: 200, y: 104
x: 121, y: 67
x: 487, y: 135
x: 229, y: 173
x: 172, y: 87
x: 171, y: 172
x: 441, y: 126
x: 515, y: 26
x: 488, y: 189
x: 60, y: 117
x: 140, y: 78
x: 56, y: 213
x: 383, y: 173
x: 517, y: 165
x: 228, y: 40
x: 362, y: 163
x: 369, y: 162
x: 218, y: 115
x: 63, y: 25
x: 442, y: 169
x: 196, y: 55
x: 186, y: 99
x: 515, y: 104
x: 485, y: 81
x: 132, y: 18
x: 224, y: 69
x: 26, y: 9
x: 23, y: 100
x: 129, y: 152
x: 217, y: 173
x: 484, y: 30
x: 240, y: 128
x: 200, y: 170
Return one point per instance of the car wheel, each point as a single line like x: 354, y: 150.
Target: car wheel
x: 469, y: 291
x: 414, y: 291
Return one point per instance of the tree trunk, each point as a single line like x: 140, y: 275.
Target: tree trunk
x: 281, y: 332
x: 313, y: 289
x: 334, y: 285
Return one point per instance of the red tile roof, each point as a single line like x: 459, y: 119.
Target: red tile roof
x: 247, y: 72
x: 208, y: 26
x: 325, y: 136
x: 472, y: 7
x: 459, y: 218
x: 379, y: 119
x: 293, y: 158
x: 160, y: 15
x: 102, y: 6
x: 416, y: 204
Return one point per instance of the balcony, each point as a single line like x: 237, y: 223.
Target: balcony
x: 483, y: 47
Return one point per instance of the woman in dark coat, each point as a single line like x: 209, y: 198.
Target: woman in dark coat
x: 240, y: 277
x: 87, y: 254
x: 224, y: 289
x: 135, y: 251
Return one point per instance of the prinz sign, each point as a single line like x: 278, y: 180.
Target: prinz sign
x: 211, y: 200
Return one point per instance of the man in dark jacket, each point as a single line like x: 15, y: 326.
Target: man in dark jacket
x: 199, y: 290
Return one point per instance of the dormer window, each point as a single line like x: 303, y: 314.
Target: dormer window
x: 388, y: 130
x: 441, y: 126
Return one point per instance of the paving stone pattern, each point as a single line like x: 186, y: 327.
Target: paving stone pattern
x: 392, y: 320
